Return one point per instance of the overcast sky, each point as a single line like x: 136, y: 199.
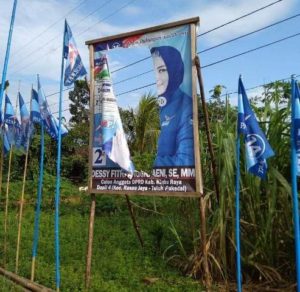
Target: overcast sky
x: 38, y: 32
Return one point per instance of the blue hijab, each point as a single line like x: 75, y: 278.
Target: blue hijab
x: 175, y: 67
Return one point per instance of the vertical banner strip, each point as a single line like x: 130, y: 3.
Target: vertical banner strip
x: 294, y: 184
x: 199, y: 183
x: 92, y: 112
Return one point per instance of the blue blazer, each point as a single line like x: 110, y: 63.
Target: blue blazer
x: 176, y: 140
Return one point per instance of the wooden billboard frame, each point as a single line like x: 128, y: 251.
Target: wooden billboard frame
x: 193, y: 22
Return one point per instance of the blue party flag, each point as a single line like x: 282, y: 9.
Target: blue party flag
x: 6, y: 145
x: 46, y: 115
x: 50, y: 122
x: 3, y: 132
x: 74, y: 66
x: 35, y: 115
x: 257, y: 146
x: 26, y: 124
x: 12, y: 123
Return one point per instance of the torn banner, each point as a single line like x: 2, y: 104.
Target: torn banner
x: 109, y: 141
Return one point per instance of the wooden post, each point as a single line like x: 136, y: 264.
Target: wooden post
x: 90, y: 242
x: 136, y: 227
x: 207, y: 275
x: 22, y: 196
x: 21, y: 209
x: 93, y: 198
x: 207, y: 127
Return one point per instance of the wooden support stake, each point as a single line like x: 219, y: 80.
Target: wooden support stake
x: 136, y: 227
x: 1, y: 163
x: 27, y: 284
x: 207, y: 274
x: 22, y: 196
x: 6, y: 205
x: 21, y: 209
x: 207, y: 127
x: 90, y: 242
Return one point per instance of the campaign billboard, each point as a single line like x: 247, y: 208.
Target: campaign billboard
x: 176, y: 167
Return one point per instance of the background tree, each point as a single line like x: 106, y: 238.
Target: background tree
x: 146, y: 124
x: 79, y: 108
x: 75, y: 144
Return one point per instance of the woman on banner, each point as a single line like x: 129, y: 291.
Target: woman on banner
x: 176, y: 140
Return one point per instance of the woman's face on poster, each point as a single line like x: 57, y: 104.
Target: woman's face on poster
x: 161, y: 74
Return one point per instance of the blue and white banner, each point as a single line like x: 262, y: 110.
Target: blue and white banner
x: 109, y: 142
x: 26, y: 124
x: 257, y: 147
x: 50, y: 122
x: 13, y: 127
x: 35, y: 114
x: 74, y: 66
x: 174, y: 162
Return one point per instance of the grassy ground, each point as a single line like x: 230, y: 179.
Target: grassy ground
x: 119, y: 263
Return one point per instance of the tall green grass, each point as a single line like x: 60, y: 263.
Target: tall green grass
x: 266, y: 209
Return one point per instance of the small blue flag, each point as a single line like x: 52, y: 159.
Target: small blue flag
x: 35, y: 115
x: 46, y: 115
x: 296, y: 122
x: 74, y: 67
x: 258, y: 149
x: 26, y: 124
x: 5, y: 142
x: 50, y: 122
x: 13, y: 125
x: 3, y: 132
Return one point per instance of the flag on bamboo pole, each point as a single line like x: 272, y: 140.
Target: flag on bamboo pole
x: 13, y: 125
x: 296, y: 123
x: 50, y: 122
x: 6, y: 84
x: 26, y: 124
x: 257, y: 147
x: 74, y: 66
x: 6, y: 145
x: 35, y: 115
x: 3, y: 131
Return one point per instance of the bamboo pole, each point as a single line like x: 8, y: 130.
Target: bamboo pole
x: 207, y: 128
x: 93, y: 198
x: 136, y: 227
x: 1, y: 160
x: 22, y: 203
x: 90, y: 242
x: 38, y: 203
x: 207, y: 274
x: 6, y: 204
x: 27, y: 284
